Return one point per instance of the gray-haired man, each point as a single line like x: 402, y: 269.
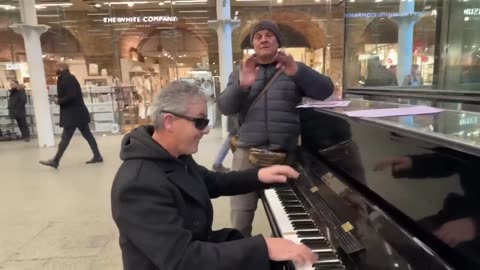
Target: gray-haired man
x: 161, y: 196
x: 271, y: 123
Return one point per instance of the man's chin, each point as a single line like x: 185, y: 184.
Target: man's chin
x: 193, y: 150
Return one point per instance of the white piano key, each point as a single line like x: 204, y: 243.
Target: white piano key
x: 287, y: 230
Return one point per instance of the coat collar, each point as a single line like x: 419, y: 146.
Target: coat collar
x: 183, y: 174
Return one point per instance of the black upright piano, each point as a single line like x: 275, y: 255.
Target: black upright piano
x: 383, y: 193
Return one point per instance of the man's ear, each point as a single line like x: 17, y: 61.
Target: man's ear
x: 168, y: 121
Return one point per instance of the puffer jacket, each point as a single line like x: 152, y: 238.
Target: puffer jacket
x: 273, y: 122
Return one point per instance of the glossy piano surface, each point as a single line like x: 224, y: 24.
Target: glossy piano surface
x: 411, y: 188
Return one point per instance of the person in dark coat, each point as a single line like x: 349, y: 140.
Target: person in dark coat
x: 73, y: 114
x: 273, y: 122
x: 161, y: 197
x: 17, y: 100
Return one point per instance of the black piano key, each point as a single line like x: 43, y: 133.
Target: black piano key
x: 303, y: 223
x: 298, y: 217
x: 316, y: 241
x: 291, y: 203
x: 301, y: 234
x: 318, y: 245
x: 328, y: 266
x: 283, y: 188
x: 304, y: 227
x: 284, y: 193
x: 313, y: 241
x: 325, y: 256
x: 294, y: 209
x: 287, y: 198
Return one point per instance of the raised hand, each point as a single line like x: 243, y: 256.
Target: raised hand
x: 286, y: 63
x: 248, y: 72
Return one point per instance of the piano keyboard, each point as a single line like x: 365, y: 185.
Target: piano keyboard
x: 295, y: 224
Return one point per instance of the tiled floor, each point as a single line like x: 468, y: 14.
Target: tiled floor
x: 60, y: 219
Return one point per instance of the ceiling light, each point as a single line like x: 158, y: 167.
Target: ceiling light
x: 98, y: 14
x: 97, y: 5
x: 48, y: 15
x: 377, y: 1
x: 130, y: 4
x: 279, y: 1
x: 53, y: 5
x: 8, y: 7
x: 161, y: 3
x: 127, y: 3
x: 190, y: 1
x: 195, y: 18
x: 193, y: 11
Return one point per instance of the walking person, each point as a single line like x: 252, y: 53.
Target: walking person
x: 73, y: 114
x: 17, y: 100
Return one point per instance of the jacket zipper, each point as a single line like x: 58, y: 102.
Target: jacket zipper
x: 266, y: 111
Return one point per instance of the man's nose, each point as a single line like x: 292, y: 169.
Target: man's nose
x: 206, y: 130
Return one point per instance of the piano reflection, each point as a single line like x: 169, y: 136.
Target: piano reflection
x: 381, y: 193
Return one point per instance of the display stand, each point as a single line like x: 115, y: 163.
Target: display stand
x: 127, y: 107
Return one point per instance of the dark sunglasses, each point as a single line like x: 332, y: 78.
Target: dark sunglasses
x: 200, y: 123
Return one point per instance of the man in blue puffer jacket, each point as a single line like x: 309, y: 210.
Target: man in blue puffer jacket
x: 273, y: 122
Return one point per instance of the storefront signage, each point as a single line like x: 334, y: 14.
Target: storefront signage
x: 12, y: 66
x: 371, y: 15
x: 471, y: 11
x: 146, y: 19
x: 384, y: 14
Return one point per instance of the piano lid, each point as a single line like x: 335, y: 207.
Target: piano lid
x: 454, y: 129
x: 405, y: 164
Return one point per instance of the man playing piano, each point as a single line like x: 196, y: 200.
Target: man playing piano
x: 161, y: 196
x: 272, y: 123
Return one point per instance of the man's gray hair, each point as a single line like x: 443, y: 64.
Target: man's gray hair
x: 175, y: 98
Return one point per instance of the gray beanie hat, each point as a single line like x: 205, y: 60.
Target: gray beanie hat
x: 267, y: 25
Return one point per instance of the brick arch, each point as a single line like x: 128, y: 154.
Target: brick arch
x: 137, y: 43
x: 366, y: 24
x: 180, y: 28
x: 60, y: 40
x: 50, y: 39
x: 303, y: 24
x: 9, y: 37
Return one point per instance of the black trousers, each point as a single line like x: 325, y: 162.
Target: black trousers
x: 22, y: 125
x: 67, y: 136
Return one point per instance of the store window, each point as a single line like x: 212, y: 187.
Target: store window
x: 12, y: 49
x: 374, y: 56
x: 463, y: 43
